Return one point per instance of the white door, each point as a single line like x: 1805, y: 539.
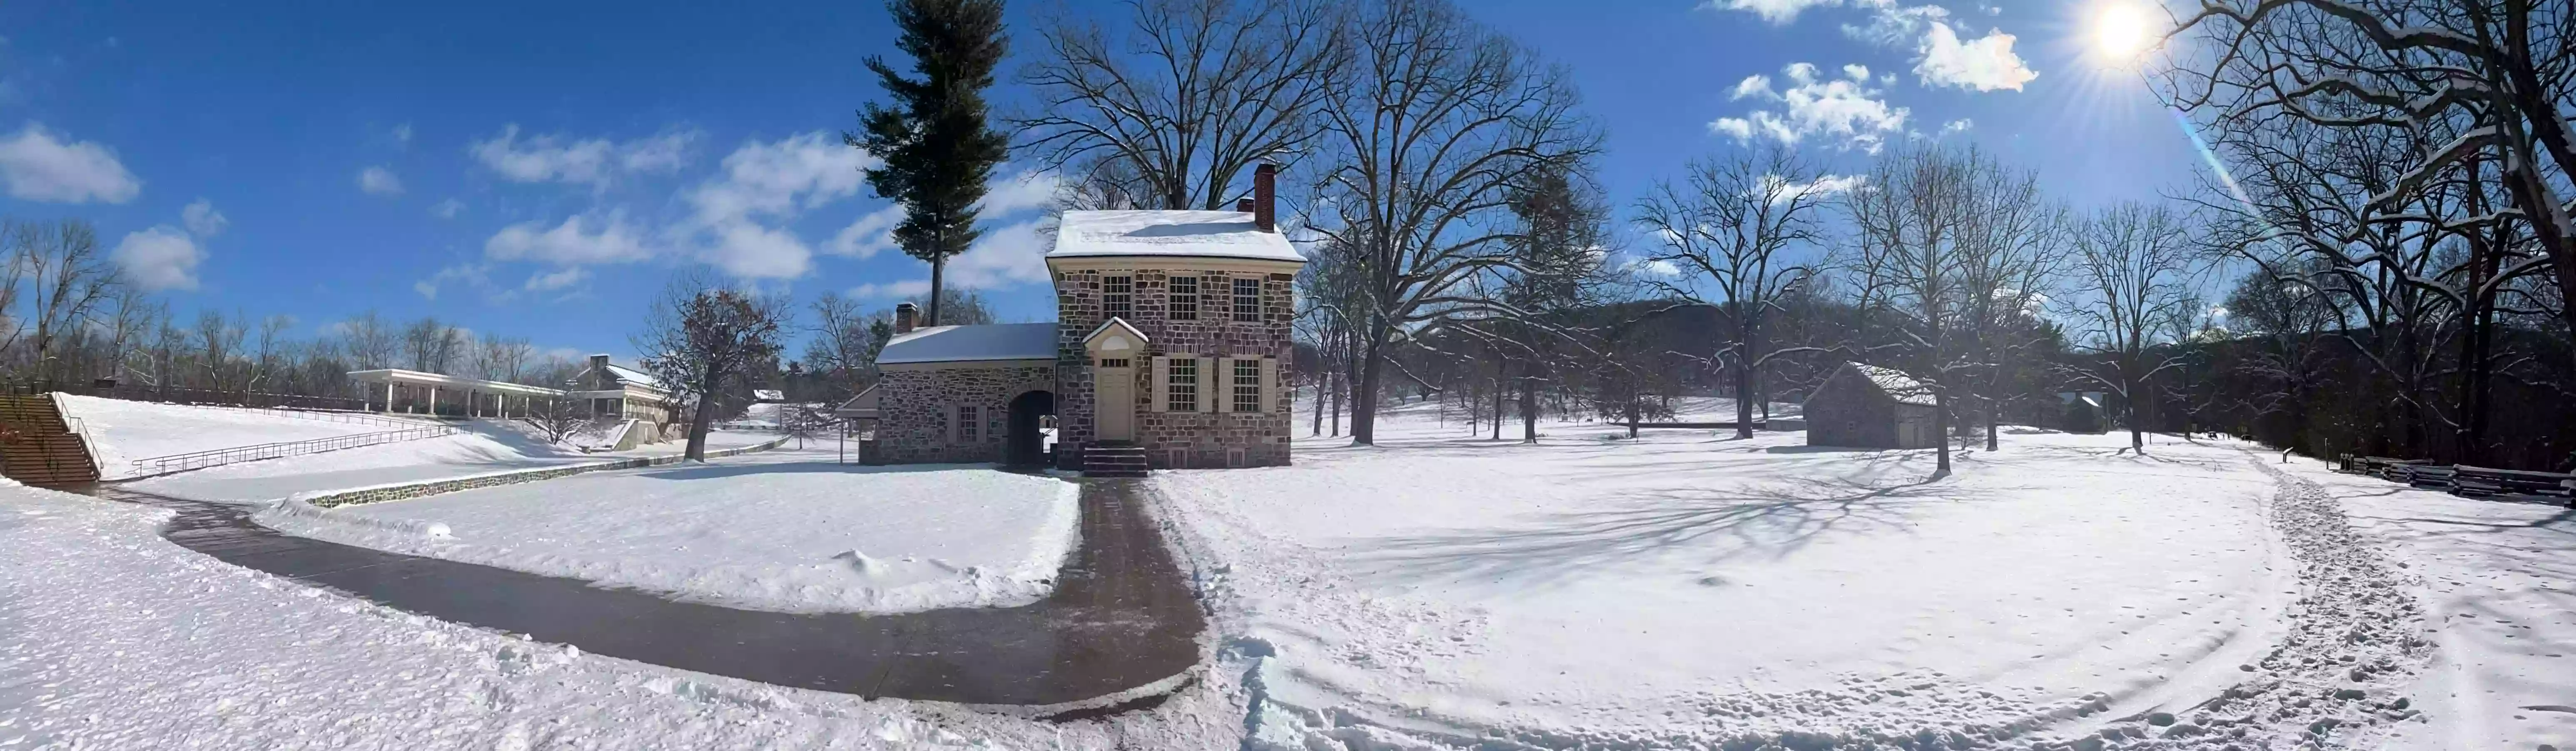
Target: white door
x: 1114, y: 403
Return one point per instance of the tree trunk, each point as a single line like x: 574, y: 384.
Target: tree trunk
x: 1743, y: 399
x: 1498, y: 401
x: 1364, y: 394
x: 938, y: 265
x: 699, y: 422
x: 1323, y: 383
x: 1941, y: 431
x: 2137, y: 419
x: 1529, y: 410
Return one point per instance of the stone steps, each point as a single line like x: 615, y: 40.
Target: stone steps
x: 1113, y: 460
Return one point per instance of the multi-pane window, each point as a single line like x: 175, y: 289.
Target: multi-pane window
x: 1185, y: 298
x: 1247, y: 300
x: 1247, y: 385
x: 1181, y: 384
x: 969, y: 423
x: 1118, y: 296
x: 1113, y: 362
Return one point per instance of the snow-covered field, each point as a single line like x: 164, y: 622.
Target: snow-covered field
x: 1687, y: 590
x: 111, y: 638
x: 484, y: 447
x: 124, y: 430
x: 2497, y: 579
x: 780, y: 530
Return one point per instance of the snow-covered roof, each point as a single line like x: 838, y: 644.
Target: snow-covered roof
x: 630, y: 375
x: 768, y: 395
x: 1896, y: 383
x: 998, y: 341
x: 1201, y: 234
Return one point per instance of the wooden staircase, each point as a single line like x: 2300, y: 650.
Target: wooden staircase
x: 37, y: 447
x: 1119, y: 459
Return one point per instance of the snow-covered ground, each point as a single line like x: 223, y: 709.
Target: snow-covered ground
x: 2497, y: 579
x: 123, y: 431
x: 780, y: 530
x: 483, y: 447
x: 111, y: 638
x: 1688, y: 589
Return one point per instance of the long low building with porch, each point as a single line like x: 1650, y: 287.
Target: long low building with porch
x: 604, y: 391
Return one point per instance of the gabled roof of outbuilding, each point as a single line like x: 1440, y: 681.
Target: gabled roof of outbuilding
x: 996, y: 341
x: 1907, y: 389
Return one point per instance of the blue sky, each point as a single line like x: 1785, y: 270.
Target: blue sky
x: 537, y: 169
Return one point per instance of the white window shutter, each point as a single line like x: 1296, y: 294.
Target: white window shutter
x: 1222, y: 402
x: 1162, y: 396
x: 1207, y: 395
x: 1269, y: 384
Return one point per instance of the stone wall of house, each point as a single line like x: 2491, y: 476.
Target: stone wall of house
x: 918, y: 404
x: 434, y: 487
x: 1178, y: 439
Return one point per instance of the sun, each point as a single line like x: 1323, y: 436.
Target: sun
x: 2122, y: 31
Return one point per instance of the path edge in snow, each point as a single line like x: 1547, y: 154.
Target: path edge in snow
x: 419, y: 488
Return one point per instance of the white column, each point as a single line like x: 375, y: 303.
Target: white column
x: 389, y: 396
x: 433, y: 401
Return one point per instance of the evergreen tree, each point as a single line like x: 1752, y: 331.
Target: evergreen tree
x: 936, y: 149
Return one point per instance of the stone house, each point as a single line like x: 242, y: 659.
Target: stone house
x: 1171, y: 340
x: 1866, y: 406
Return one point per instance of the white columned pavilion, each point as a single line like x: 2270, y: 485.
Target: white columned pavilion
x: 472, y: 389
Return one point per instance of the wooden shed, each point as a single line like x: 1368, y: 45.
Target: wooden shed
x: 1866, y: 406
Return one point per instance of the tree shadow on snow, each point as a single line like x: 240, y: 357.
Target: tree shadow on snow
x: 1772, y: 521
x: 718, y: 471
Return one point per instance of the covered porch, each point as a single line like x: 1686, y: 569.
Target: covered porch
x: 394, y: 390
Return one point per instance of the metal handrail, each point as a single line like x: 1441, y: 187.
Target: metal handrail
x: 325, y: 415
x: 159, y: 465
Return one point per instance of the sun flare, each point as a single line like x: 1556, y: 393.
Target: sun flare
x: 2122, y: 31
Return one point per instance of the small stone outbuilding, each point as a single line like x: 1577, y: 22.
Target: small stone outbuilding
x: 1866, y: 406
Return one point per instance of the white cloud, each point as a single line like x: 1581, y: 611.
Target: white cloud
x: 901, y: 289
x: 1652, y: 267
x: 1985, y: 64
x: 1823, y: 185
x: 579, y: 240
x: 447, y: 209
x: 1960, y: 125
x: 41, y: 167
x: 402, y: 135
x: 558, y: 279
x: 1856, y: 72
x: 1752, y: 85
x: 1774, y: 11
x: 765, y: 182
x: 1845, y: 110
x: 594, y: 162
x: 1005, y: 255
x: 1893, y: 25
x: 468, y: 273
x: 871, y: 233
x: 159, y: 258
x: 379, y: 181
x: 202, y: 220
x: 1023, y: 190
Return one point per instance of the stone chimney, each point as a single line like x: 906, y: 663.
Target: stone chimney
x: 1265, y: 197
x: 599, y: 369
x: 906, y: 316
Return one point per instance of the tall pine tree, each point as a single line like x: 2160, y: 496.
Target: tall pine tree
x: 936, y: 148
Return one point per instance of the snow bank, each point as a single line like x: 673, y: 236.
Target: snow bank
x: 113, y: 638
x: 779, y: 530
x: 124, y: 431
x: 484, y: 447
x: 1687, y: 589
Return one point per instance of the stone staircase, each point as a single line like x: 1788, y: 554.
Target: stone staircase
x: 1116, y: 459
x: 37, y: 447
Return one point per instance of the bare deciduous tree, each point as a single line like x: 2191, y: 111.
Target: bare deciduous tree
x: 1439, y: 119
x: 1725, y: 232
x: 699, y: 339
x: 1170, y: 114
x: 2134, y: 270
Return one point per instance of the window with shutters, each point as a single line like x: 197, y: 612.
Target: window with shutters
x: 1185, y: 298
x: 1247, y: 300
x: 1247, y: 386
x: 1181, y: 380
x: 969, y: 424
x: 1118, y: 297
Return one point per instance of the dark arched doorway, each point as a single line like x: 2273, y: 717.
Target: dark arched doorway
x: 1025, y: 440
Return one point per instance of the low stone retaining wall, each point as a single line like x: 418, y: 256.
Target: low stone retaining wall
x: 395, y: 492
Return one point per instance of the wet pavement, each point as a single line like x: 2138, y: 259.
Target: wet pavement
x: 1122, y: 615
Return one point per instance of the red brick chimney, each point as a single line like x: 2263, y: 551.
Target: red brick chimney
x: 1265, y: 197
x: 906, y: 316
x: 1243, y: 205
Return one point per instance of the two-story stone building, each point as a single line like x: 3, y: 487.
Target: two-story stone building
x: 1171, y: 340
